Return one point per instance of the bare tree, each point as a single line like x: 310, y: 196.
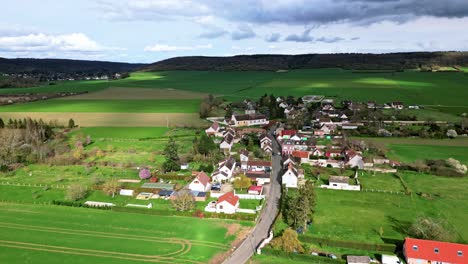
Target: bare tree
x: 111, y: 187
x: 183, y: 201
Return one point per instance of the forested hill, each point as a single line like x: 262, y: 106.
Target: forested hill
x: 53, y: 66
x: 393, y: 61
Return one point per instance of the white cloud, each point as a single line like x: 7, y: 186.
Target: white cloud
x: 168, y: 48
x: 40, y: 42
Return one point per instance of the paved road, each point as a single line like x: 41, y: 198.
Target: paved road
x: 248, y: 247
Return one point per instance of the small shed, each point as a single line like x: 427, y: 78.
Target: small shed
x: 144, y: 196
x: 358, y: 259
x: 165, y: 193
x: 126, y: 192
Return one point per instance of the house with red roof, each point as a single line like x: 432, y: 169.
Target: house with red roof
x: 301, y: 154
x: 201, y: 183
x: 418, y: 251
x: 227, y: 203
x: 213, y: 129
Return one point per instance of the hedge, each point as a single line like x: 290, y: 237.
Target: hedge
x: 78, y: 204
x: 348, y: 244
x: 243, y: 217
x: 267, y: 251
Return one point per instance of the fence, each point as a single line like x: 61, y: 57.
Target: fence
x: 381, y: 170
x: 34, y: 185
x: 383, y: 191
x: 348, y: 244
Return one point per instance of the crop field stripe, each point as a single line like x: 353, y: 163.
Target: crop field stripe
x: 112, y: 235
x: 73, y: 251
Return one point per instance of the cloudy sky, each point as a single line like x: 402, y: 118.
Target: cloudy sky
x: 151, y: 30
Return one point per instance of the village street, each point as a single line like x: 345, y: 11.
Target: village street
x: 248, y: 247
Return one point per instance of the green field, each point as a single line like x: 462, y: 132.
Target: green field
x: 444, y: 90
x: 107, y: 106
x: 358, y: 216
x: 51, y: 234
x: 123, y: 132
x: 411, y: 153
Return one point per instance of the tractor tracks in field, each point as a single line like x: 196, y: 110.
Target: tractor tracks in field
x: 185, y: 245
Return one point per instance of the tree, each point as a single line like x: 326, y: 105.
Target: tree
x: 430, y: 229
x: 111, y: 187
x: 183, y: 201
x: 288, y: 242
x: 144, y: 174
x: 242, y: 182
x: 298, y: 208
x: 205, y: 109
x: 76, y: 192
x: 2, y: 125
x: 71, y: 123
x: 204, y: 145
x: 172, y: 162
x: 229, y: 112
x: 451, y: 133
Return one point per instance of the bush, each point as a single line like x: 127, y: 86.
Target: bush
x: 348, y: 244
x: 76, y: 192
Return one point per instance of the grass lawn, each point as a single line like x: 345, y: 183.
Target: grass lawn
x: 358, y: 216
x: 122, y: 132
x: 65, y: 175
x: 411, y: 153
x: 53, y: 234
x: 107, y: 106
x: 380, y: 181
x: 249, y: 203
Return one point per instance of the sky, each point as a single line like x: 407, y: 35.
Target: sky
x: 146, y: 31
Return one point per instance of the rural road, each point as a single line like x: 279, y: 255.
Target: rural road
x: 248, y: 247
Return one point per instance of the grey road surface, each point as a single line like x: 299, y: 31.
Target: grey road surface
x: 248, y: 247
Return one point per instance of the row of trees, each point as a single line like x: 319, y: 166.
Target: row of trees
x: 298, y: 207
x: 32, y: 141
x: 207, y: 105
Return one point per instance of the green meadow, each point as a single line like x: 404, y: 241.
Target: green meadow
x: 443, y: 91
x: 411, y: 153
x: 107, y: 106
x: 53, y: 234
x: 359, y: 216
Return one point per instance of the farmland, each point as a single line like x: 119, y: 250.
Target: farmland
x: 53, y: 234
x: 107, y: 106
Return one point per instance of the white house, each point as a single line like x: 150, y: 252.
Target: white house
x: 356, y: 161
x: 213, y: 129
x: 288, y: 160
x: 227, y: 203
x: 201, y: 183
x: 258, y: 165
x: 340, y: 183
x: 220, y: 176
x: 227, y: 143
x: 290, y: 177
x: 224, y: 171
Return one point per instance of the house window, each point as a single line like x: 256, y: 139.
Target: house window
x: 436, y: 250
x: 459, y: 253
x: 221, y: 207
x: 415, y: 248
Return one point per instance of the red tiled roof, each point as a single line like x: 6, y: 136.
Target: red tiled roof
x: 255, y: 188
x: 426, y: 250
x: 203, y: 178
x: 229, y: 197
x: 263, y: 163
x: 288, y: 132
x: 300, y: 154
